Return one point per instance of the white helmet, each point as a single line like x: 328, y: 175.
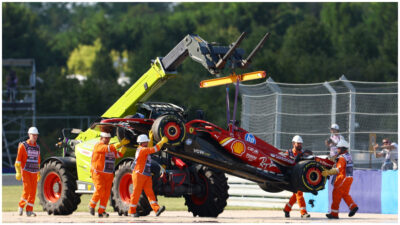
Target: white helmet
x: 342, y: 144
x: 105, y: 134
x: 33, y: 130
x: 297, y: 139
x: 335, y: 126
x: 142, y: 138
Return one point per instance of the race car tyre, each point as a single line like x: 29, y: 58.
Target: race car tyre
x: 215, y: 194
x: 170, y: 126
x: 307, y: 176
x: 57, y: 189
x: 269, y: 188
x: 122, y: 190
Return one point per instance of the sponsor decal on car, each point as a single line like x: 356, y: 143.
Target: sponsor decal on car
x: 238, y: 148
x: 226, y: 141
x: 253, y: 150
x: 250, y: 157
x: 282, y: 158
x: 200, y: 152
x: 266, y: 163
x: 323, y: 162
x: 250, y: 138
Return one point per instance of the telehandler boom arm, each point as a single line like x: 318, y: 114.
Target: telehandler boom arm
x: 212, y: 57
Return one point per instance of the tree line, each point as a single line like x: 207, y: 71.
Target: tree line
x: 309, y: 42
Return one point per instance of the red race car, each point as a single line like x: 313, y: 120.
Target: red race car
x: 199, y: 153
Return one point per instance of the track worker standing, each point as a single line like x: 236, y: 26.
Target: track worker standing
x: 141, y: 174
x: 333, y: 141
x: 296, y: 152
x: 342, y: 184
x: 28, y: 159
x: 102, y: 170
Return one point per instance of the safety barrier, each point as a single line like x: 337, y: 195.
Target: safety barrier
x: 374, y: 191
x: 246, y: 193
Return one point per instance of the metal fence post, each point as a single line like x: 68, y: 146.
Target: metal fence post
x: 278, y: 108
x: 352, y: 110
x: 333, y: 101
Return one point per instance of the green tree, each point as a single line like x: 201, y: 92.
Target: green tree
x: 102, y: 67
x: 82, y: 58
x: 306, y: 50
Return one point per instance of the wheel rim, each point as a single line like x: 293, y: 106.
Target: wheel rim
x: 52, y: 187
x: 172, y: 131
x: 200, y: 200
x: 314, y: 176
x: 125, y: 187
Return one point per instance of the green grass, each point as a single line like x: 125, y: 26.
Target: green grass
x: 12, y: 195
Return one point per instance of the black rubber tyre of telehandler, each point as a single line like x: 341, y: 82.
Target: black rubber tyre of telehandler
x: 307, y: 176
x: 214, y: 199
x: 118, y: 193
x: 68, y: 200
x: 171, y: 126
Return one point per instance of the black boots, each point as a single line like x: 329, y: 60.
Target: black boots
x: 353, y: 211
x: 160, y: 210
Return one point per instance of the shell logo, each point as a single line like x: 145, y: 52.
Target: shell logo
x: 238, y: 148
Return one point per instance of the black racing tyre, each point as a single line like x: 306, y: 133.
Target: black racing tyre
x: 307, y: 176
x: 57, y: 189
x: 269, y: 187
x: 212, y: 201
x: 122, y: 190
x: 171, y: 126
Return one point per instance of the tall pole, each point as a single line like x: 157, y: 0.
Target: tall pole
x: 333, y: 101
x: 352, y: 110
x: 278, y: 108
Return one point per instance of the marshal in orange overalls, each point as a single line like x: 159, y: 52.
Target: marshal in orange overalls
x: 29, y: 159
x: 298, y: 196
x: 141, y: 178
x: 102, y: 170
x: 341, y: 187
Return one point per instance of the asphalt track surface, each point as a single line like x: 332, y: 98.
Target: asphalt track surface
x: 228, y: 216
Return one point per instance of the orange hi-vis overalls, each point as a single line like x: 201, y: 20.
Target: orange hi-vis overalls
x: 141, y: 178
x: 296, y: 196
x: 102, y: 170
x: 29, y: 158
x: 341, y: 187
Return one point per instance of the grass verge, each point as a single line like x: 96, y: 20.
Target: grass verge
x: 12, y: 195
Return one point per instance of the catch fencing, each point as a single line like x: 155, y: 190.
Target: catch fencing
x: 365, y: 111
x: 243, y: 192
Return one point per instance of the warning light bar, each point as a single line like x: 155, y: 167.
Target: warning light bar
x: 232, y: 79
